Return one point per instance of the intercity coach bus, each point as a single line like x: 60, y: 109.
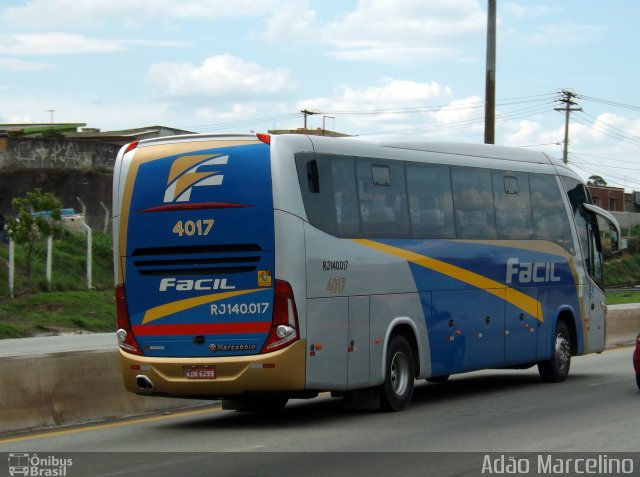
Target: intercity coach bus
x: 258, y: 268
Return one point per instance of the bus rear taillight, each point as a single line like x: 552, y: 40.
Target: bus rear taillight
x: 284, y: 324
x: 126, y: 340
x: 265, y: 138
x: 131, y: 146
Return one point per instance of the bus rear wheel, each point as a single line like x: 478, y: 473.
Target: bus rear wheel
x: 556, y: 369
x: 399, y: 375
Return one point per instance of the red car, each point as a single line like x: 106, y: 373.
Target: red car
x: 636, y: 360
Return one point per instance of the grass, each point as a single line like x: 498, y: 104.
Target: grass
x: 70, y: 307
x: 57, y: 313
x: 622, y: 297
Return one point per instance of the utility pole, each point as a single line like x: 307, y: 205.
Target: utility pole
x: 490, y: 80
x: 567, y: 99
x: 305, y: 113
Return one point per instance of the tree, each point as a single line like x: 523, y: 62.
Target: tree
x: 38, y: 216
x: 596, y: 181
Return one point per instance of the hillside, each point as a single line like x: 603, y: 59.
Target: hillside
x: 70, y: 306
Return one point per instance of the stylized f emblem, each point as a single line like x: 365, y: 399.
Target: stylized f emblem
x: 184, y: 176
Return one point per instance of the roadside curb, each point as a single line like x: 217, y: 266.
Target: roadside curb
x: 69, y: 388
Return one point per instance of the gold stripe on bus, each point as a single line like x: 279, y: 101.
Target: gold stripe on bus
x: 521, y: 300
x: 182, y: 305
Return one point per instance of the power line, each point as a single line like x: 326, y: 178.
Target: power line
x: 620, y: 137
x: 626, y: 182
x: 608, y: 102
x: 241, y: 123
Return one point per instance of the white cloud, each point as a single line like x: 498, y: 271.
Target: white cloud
x: 392, y: 105
x: 461, y: 110
x: 396, y: 54
x: 67, y: 44
x: 383, y: 30
x: 522, y: 10
x: 225, y: 77
x: 56, y: 14
x: 566, y: 33
x: 12, y: 64
x: 393, y: 94
x: 294, y: 21
x: 379, y: 27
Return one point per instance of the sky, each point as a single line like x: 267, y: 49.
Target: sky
x: 412, y: 69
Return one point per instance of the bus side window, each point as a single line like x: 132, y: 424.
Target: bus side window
x: 473, y: 202
x: 430, y: 201
x: 513, y: 205
x: 595, y: 263
x: 327, y: 185
x: 344, y: 197
x: 550, y: 220
x: 578, y: 194
x: 383, y: 199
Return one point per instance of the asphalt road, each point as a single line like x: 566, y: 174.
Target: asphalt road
x: 449, y: 428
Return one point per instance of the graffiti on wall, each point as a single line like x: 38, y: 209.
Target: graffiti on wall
x: 59, y: 154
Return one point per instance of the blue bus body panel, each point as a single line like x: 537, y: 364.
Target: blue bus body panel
x: 490, y: 304
x: 200, y: 252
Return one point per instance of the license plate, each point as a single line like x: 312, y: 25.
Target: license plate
x: 200, y: 372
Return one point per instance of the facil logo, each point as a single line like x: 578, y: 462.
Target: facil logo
x: 186, y: 173
x: 188, y: 285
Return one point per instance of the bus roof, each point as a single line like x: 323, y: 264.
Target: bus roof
x: 489, y: 151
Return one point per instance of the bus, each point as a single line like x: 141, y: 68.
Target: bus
x: 259, y: 268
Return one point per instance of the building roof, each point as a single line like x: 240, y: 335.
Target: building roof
x: 21, y: 129
x: 71, y: 131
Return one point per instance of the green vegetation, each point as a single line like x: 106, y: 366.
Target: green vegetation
x: 70, y: 307
x: 38, y: 217
x: 57, y: 313
x: 622, y: 297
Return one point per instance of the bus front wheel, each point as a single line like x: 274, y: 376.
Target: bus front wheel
x: 556, y: 369
x: 399, y: 375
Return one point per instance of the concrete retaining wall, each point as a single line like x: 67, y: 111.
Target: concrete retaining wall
x: 70, y: 388
x: 77, y: 387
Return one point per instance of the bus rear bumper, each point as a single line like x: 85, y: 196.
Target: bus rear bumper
x: 282, y: 370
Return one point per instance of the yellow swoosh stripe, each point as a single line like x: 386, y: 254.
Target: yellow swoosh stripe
x: 181, y: 305
x: 513, y: 296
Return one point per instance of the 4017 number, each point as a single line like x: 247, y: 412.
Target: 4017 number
x: 193, y: 227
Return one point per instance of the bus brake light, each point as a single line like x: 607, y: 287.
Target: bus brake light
x: 265, y: 138
x: 131, y: 146
x: 126, y: 340
x: 284, y: 324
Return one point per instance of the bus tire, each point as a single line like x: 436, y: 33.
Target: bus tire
x: 556, y: 369
x: 399, y: 375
